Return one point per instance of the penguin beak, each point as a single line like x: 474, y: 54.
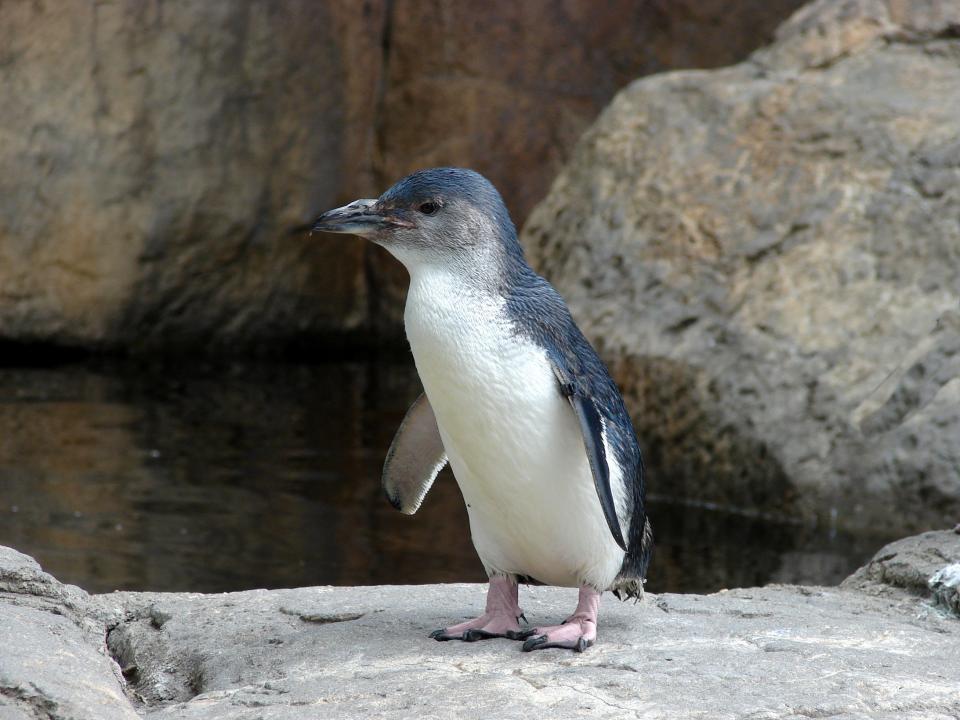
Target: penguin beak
x: 361, y: 217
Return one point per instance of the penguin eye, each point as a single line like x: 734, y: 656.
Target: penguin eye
x: 428, y: 208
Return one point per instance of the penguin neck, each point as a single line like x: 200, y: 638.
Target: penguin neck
x: 450, y: 307
x: 451, y: 289
x: 489, y: 270
x: 459, y: 333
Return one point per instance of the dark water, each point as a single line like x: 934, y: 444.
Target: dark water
x: 234, y: 477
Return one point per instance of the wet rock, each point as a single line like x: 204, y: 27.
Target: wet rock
x: 155, y: 157
x: 767, y: 254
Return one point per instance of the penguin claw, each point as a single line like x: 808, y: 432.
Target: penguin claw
x: 534, y: 643
x: 520, y: 634
x: 471, y: 635
x: 480, y: 634
x: 540, y: 643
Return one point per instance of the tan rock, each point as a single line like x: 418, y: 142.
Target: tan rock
x: 768, y: 255
x: 154, y: 156
x: 507, y: 88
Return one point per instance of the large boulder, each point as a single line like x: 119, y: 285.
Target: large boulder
x: 155, y: 157
x: 769, y: 257
x: 508, y: 87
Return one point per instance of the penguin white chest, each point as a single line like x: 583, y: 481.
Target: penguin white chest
x: 513, y: 441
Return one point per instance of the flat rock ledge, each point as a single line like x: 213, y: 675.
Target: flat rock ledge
x: 877, y: 646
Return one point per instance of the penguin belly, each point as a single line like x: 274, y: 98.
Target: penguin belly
x: 512, y: 439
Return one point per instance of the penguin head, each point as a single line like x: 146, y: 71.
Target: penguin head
x: 450, y: 217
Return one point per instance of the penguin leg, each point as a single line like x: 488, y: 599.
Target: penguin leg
x: 576, y: 633
x: 501, y: 618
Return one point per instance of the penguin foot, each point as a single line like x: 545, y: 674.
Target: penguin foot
x: 577, y: 633
x: 501, y: 618
x: 482, y: 628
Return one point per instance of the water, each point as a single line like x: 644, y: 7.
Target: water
x: 230, y: 477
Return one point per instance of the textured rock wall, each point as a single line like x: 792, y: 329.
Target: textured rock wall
x: 155, y: 156
x: 769, y: 255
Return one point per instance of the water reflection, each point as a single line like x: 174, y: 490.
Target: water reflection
x: 232, y: 477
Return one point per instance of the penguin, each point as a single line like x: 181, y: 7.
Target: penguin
x: 516, y: 400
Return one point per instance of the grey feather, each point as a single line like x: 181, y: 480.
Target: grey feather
x: 415, y: 458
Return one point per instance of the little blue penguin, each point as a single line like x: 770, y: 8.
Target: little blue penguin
x: 516, y: 400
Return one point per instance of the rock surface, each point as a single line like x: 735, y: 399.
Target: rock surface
x: 945, y: 587
x: 53, y: 657
x: 908, y: 564
x: 926, y: 565
x: 508, y: 87
x: 769, y: 257
x: 776, y: 652
x: 155, y: 156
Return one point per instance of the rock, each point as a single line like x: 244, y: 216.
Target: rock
x: 54, y: 662
x: 155, y: 157
x: 529, y: 78
x: 775, y: 652
x: 907, y: 564
x: 769, y: 258
x: 20, y: 575
x: 945, y: 586
x: 742, y: 653
x: 525, y: 80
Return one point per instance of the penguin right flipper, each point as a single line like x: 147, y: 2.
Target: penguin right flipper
x: 591, y: 429
x: 414, y: 459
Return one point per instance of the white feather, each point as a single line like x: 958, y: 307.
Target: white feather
x: 513, y: 441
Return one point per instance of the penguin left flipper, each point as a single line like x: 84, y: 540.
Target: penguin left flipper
x: 414, y: 459
x: 591, y: 428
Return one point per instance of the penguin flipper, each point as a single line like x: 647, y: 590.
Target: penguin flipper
x: 414, y: 459
x: 591, y: 428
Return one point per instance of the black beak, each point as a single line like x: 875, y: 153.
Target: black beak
x: 361, y: 217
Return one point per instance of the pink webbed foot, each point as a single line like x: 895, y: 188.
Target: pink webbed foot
x: 577, y: 632
x: 501, y: 618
